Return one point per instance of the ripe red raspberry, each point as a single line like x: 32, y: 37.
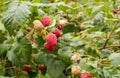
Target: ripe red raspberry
x: 57, y: 32
x: 59, y: 27
x: 51, y: 39
x: 49, y: 47
x: 27, y: 67
x: 41, y: 67
x: 85, y: 75
x: 28, y: 29
x: 45, y: 20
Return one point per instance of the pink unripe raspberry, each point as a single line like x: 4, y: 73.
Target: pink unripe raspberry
x: 45, y: 20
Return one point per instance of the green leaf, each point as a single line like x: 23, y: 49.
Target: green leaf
x: 40, y: 41
x: 92, y: 51
x: 35, y: 1
x: 88, y: 10
x: 19, y: 34
x: 2, y: 36
x: 13, y: 58
x: 6, y: 77
x: 10, y: 72
x: 64, y: 7
x: 55, y: 67
x: 44, y: 58
x: 114, y: 57
x: 40, y: 12
x: 45, y: 4
x: 2, y: 26
x: 44, y: 1
x: 69, y: 28
x: 98, y: 17
x: 4, y: 48
x: 117, y: 30
x: 105, y: 53
x: 85, y: 66
x: 24, y: 49
x: 62, y: 76
x: 2, y: 70
x: 106, y: 73
x: 23, y: 74
x: 65, y: 56
x: 15, y: 15
x: 96, y: 8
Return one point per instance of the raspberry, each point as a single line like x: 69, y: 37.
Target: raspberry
x: 75, y: 57
x: 48, y: 47
x: 59, y: 27
x: 28, y: 29
x: 27, y: 67
x: 85, y: 75
x: 75, y: 70
x: 37, y: 25
x: 57, y: 32
x: 62, y: 22
x: 51, y: 39
x: 45, y: 20
x: 41, y: 67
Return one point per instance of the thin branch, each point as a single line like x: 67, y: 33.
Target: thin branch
x: 91, y: 4
x: 111, y: 46
x: 109, y: 36
x: 15, y: 70
x: 13, y: 67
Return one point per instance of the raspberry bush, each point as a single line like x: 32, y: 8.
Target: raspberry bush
x: 59, y: 39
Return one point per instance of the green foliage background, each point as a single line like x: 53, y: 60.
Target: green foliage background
x: 93, y: 31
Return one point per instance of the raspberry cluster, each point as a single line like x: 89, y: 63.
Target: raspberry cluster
x: 76, y: 70
x: 51, y: 38
x: 43, y: 22
x: 51, y: 41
